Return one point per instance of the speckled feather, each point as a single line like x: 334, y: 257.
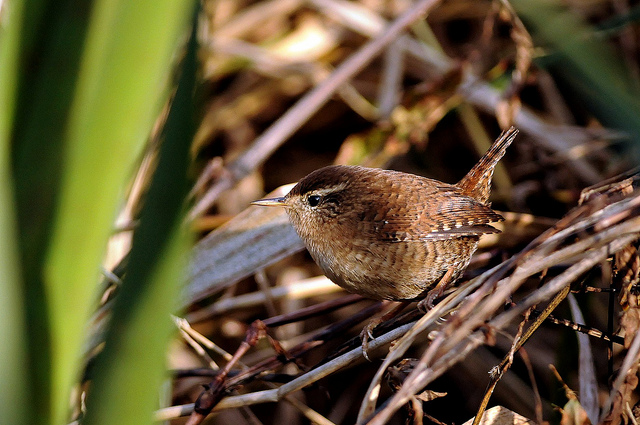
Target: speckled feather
x: 391, y: 235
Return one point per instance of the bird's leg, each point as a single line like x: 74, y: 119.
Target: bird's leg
x: 367, y: 332
x: 427, y: 303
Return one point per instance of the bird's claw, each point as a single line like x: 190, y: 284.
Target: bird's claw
x: 365, y: 336
x: 428, y: 302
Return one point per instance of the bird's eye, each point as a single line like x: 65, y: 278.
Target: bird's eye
x: 314, y: 200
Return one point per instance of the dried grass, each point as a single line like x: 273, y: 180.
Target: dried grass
x: 281, y: 108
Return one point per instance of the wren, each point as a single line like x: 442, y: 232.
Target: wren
x: 389, y: 235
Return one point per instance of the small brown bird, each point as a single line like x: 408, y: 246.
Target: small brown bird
x: 391, y: 235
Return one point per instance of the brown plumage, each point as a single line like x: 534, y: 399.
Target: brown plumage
x: 391, y: 235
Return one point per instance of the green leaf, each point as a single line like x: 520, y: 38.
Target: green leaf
x: 129, y: 371
x: 124, y: 65
x: 585, y: 63
x: 51, y: 45
x: 13, y: 330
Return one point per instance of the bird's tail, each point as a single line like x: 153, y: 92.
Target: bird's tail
x: 477, y: 182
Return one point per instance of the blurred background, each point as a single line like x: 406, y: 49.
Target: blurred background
x: 134, y: 136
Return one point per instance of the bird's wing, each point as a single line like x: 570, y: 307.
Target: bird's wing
x: 445, y: 218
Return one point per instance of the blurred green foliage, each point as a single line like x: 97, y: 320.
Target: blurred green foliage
x: 82, y: 83
x: 576, y: 54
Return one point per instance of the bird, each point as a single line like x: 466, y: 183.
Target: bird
x: 389, y: 235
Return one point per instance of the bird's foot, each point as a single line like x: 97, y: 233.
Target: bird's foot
x: 367, y: 335
x: 429, y: 301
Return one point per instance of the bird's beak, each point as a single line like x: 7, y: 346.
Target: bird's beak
x: 270, y: 202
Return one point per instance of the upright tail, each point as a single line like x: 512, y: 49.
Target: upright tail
x: 477, y: 182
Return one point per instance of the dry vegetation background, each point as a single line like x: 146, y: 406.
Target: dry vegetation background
x: 281, y: 88
x: 283, y: 95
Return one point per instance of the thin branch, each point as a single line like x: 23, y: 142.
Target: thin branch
x: 632, y: 358
x: 555, y: 138
x: 297, y: 115
x: 533, y: 259
x: 454, y: 346
x: 351, y: 357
